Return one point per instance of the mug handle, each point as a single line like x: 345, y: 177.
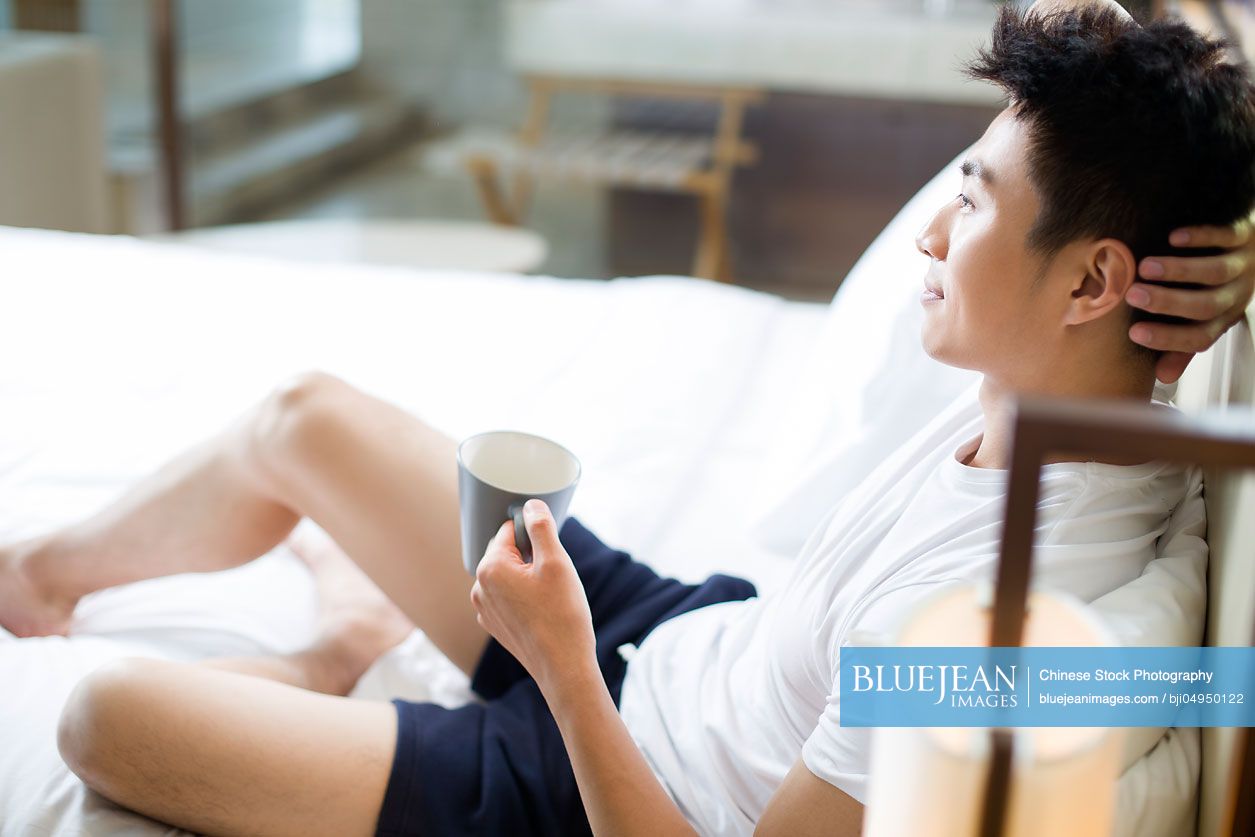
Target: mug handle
x: 521, y: 540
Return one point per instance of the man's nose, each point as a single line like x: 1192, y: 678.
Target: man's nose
x: 931, y: 240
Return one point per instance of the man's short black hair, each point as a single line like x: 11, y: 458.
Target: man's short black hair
x: 1133, y: 130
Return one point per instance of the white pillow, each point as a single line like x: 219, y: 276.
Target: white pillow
x: 871, y: 386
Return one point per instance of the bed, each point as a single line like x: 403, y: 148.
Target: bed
x: 120, y: 353
x: 699, y: 411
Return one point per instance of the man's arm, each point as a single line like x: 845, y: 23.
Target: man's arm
x: 621, y: 794
x: 806, y: 806
x: 540, y: 614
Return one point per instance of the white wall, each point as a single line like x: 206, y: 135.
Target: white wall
x: 449, y: 56
x: 443, y: 53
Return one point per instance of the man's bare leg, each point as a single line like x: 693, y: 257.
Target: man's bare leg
x: 218, y: 752
x: 381, y: 482
x: 217, y: 748
x: 356, y: 624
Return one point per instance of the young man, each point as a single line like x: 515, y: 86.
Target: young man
x: 727, y: 720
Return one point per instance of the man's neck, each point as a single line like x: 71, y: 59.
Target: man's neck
x: 997, y: 401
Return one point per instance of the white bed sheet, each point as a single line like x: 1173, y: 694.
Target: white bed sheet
x: 119, y: 353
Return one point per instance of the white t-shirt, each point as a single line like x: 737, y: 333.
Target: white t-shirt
x: 722, y: 700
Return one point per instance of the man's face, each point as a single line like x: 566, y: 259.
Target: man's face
x: 989, y: 315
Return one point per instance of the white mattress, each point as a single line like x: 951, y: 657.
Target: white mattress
x: 120, y: 353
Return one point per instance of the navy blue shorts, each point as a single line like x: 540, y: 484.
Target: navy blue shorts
x: 499, y: 767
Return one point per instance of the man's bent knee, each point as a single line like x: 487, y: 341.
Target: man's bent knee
x: 299, y: 392
x: 298, y: 416
x: 97, y: 731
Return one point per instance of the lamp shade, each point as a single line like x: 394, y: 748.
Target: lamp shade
x: 930, y: 781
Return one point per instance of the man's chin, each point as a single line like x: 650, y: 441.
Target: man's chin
x: 933, y: 347
x: 938, y: 351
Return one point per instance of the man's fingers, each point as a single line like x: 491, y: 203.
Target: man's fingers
x: 1202, y: 270
x: 502, y: 541
x: 1178, y: 338
x: 541, y: 528
x: 1216, y: 308
x: 1235, y: 235
x: 1197, y: 304
x: 504, y: 535
x: 1171, y: 366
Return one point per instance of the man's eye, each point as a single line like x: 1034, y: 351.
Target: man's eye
x: 964, y: 201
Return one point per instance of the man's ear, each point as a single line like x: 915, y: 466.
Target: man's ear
x: 1108, y: 270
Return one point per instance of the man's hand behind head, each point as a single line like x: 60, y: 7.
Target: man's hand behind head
x: 1218, y: 290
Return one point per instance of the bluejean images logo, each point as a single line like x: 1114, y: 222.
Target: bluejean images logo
x: 1047, y: 687
x: 963, y: 686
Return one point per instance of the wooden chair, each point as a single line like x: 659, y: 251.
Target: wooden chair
x: 1217, y: 394
x: 697, y: 164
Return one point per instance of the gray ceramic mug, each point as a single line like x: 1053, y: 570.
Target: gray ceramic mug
x: 499, y: 471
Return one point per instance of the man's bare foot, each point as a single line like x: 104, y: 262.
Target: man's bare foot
x: 29, y: 607
x: 357, y: 623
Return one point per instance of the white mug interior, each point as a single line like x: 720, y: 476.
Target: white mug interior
x: 520, y: 463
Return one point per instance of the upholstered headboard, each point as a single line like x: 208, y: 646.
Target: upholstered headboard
x: 1225, y: 376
